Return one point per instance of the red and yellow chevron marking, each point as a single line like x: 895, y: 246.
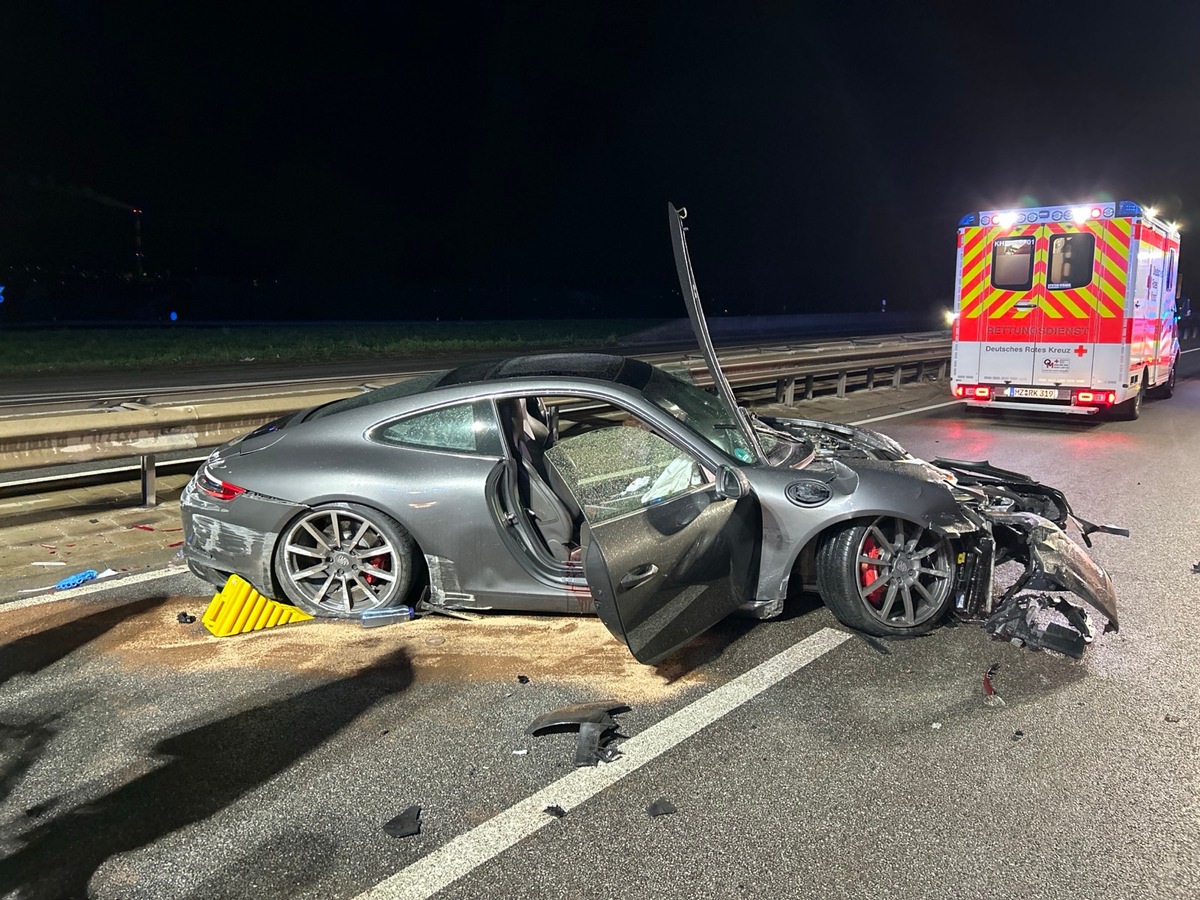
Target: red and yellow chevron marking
x: 1103, y: 298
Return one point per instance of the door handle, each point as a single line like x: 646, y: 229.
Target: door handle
x: 634, y: 577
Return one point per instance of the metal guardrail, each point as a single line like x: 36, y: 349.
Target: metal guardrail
x: 144, y: 430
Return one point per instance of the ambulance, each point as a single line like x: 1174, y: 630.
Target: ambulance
x: 1067, y: 309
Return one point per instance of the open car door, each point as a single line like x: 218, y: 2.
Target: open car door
x: 667, y: 550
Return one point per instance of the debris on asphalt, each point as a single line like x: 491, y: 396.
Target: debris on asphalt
x: 406, y: 824
x: 596, y: 728
x: 1170, y: 718
x: 1018, y: 734
x: 77, y: 579
x: 557, y: 811
x: 1015, y: 620
x: 524, y: 679
x: 661, y: 807
x: 990, y: 697
x: 176, y: 544
x: 373, y: 618
x: 1196, y: 567
x: 521, y: 752
x: 185, y: 618
x: 936, y: 726
x: 54, y: 562
x: 143, y: 527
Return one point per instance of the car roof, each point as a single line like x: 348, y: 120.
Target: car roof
x: 622, y: 370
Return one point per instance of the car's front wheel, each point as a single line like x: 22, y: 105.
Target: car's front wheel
x: 340, y: 559
x: 886, y: 576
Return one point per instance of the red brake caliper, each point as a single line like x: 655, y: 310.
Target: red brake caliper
x: 375, y: 562
x: 869, y: 573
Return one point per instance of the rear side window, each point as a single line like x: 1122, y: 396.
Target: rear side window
x: 464, y: 428
x: 1012, y: 263
x: 1071, y: 258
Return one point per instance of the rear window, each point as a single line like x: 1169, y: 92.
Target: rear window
x: 1070, y: 261
x: 1012, y: 263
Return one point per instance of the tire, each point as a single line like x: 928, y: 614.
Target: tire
x: 1166, y: 390
x: 340, y: 559
x: 886, y: 577
x: 1131, y: 409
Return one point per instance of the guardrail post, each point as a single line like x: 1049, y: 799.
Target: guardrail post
x: 897, y: 374
x: 941, y: 372
x: 149, y: 495
x: 785, y: 391
x: 920, y: 371
x: 870, y: 377
x: 808, y: 387
x: 841, y: 384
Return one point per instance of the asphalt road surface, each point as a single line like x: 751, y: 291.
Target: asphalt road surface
x: 141, y: 758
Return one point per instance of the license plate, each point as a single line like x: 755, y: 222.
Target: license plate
x: 1032, y: 393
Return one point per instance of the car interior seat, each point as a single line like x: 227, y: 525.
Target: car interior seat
x: 555, y: 522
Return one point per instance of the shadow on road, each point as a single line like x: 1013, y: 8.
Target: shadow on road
x: 207, y: 769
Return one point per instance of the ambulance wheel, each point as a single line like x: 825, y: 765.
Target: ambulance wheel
x: 886, y: 576
x: 1132, y: 408
x: 1167, y: 388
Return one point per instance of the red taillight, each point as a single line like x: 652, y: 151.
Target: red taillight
x: 215, y: 487
x: 973, y: 391
x: 1095, y: 398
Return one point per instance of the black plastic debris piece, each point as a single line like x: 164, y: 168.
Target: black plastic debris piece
x: 523, y: 679
x: 661, y: 807
x: 596, y: 728
x: 406, y: 824
x: 185, y: 618
x: 1170, y: 718
x: 1196, y: 567
x: 1014, y: 621
x: 1018, y: 734
x: 557, y: 811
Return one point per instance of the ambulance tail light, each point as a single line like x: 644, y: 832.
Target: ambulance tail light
x: 973, y: 392
x: 1095, y: 398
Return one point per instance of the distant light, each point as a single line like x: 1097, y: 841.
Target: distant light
x: 1006, y: 220
x: 174, y: 316
x: 949, y: 316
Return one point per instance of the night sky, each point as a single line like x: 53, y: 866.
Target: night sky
x: 518, y: 157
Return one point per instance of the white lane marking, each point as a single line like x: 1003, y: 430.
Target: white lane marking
x: 907, y: 412
x: 1193, y: 350
x: 463, y: 854
x: 90, y: 587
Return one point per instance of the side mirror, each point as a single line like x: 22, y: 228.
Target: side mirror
x: 731, y: 484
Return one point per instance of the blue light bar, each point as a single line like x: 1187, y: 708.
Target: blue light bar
x: 1128, y: 208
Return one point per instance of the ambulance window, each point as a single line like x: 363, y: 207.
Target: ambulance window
x: 1012, y: 263
x: 1070, y: 261
x: 1170, y: 274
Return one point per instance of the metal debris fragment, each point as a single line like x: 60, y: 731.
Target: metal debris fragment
x: 185, y: 618
x: 1018, y: 734
x: 1015, y: 621
x: 557, y: 811
x: 523, y: 679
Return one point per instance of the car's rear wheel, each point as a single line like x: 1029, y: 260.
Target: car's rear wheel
x: 1131, y: 409
x: 887, y: 576
x: 341, y: 559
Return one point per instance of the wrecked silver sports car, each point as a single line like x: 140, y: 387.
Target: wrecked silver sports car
x: 582, y: 483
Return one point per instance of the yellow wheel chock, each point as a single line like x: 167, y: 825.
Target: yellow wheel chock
x: 238, y: 608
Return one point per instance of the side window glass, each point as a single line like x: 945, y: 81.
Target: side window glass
x: 1170, y: 273
x: 1012, y: 263
x: 465, y: 428
x: 617, y: 470
x: 1071, y: 258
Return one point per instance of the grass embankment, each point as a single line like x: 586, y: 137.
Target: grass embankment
x: 90, y: 349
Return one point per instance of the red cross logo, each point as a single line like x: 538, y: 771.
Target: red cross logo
x: 1080, y: 351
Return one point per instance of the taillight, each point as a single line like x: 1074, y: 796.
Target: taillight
x: 215, y: 487
x: 1095, y: 398
x: 973, y: 391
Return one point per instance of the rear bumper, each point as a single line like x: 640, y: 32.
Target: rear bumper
x: 1034, y: 407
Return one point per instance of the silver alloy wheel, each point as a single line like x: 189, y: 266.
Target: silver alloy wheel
x: 340, y: 561
x: 904, y: 572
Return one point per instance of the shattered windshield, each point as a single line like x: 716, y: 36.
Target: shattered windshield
x: 699, y: 411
